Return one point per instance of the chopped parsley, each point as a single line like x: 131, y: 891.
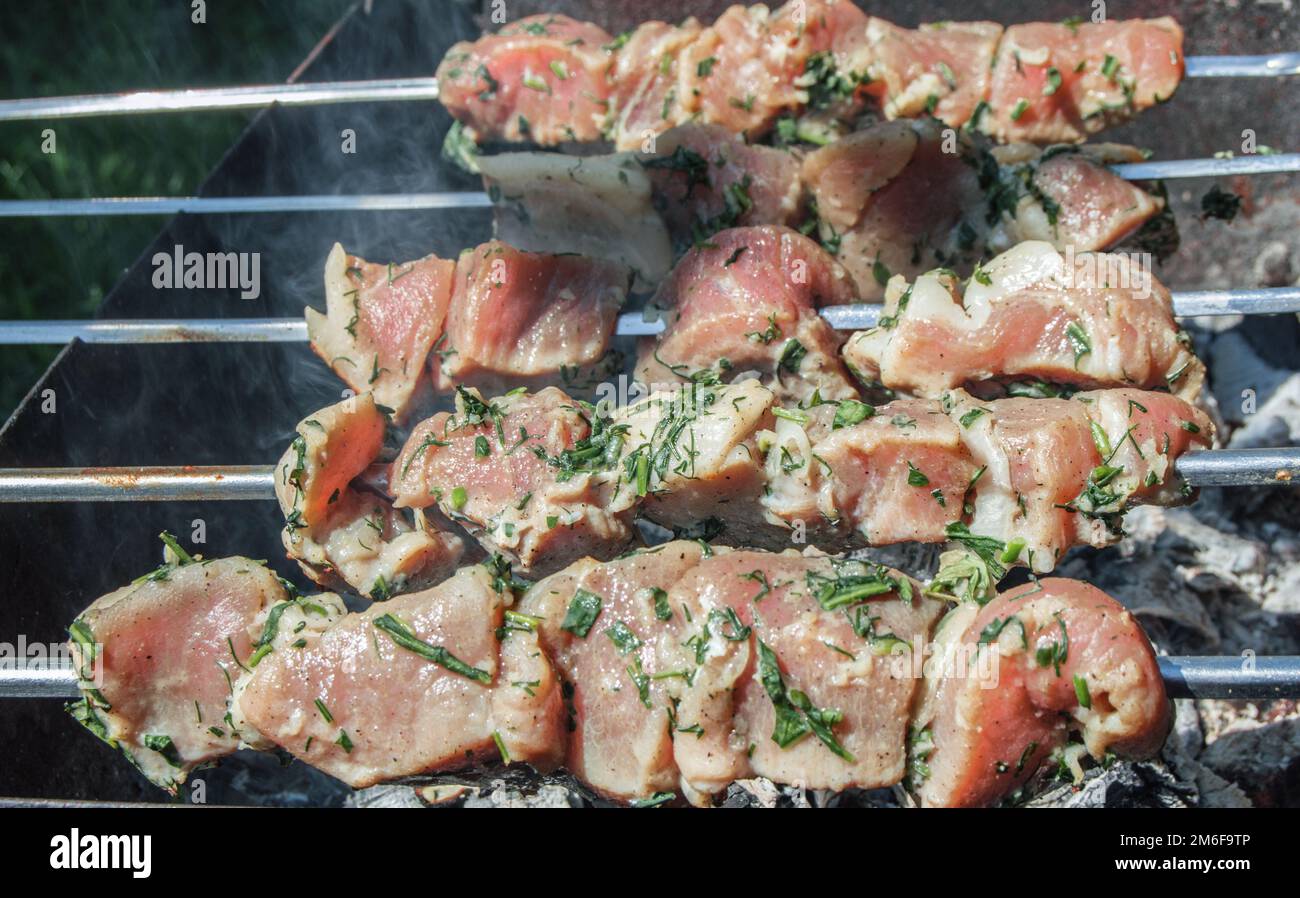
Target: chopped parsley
x: 405, y: 637
x: 584, y: 608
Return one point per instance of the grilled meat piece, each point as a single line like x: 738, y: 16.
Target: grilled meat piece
x: 342, y: 535
x: 495, y: 318
x: 940, y: 69
x: 1032, y: 315
x: 603, y: 627
x: 651, y: 82
x: 520, y: 318
x: 380, y: 323
x: 707, y: 179
x: 797, y: 668
x: 516, y: 472
x: 1013, y: 680
x: 1059, y: 83
x: 747, y: 302
x: 907, y: 197
x: 156, y: 660
x: 542, y: 78
x: 414, y: 685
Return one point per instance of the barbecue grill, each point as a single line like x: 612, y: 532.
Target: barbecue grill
x: 176, y: 379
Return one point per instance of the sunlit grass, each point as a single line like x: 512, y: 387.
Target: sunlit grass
x: 62, y: 268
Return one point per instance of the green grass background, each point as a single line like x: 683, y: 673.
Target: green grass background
x: 62, y: 268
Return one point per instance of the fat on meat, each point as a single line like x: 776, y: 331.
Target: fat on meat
x: 594, y: 206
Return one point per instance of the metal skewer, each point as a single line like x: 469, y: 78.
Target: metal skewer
x: 388, y: 202
x: 1216, y: 467
x: 1191, y: 676
x: 215, y: 205
x: 1268, y: 65
x: 381, y: 90
x: 1187, y: 304
x: 384, y: 90
x: 1258, y: 164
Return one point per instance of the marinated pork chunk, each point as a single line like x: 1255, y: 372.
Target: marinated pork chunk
x: 707, y: 179
x: 1067, y: 196
x: 520, y: 318
x: 1058, y: 83
x: 340, y: 534
x: 1032, y: 315
x: 796, y: 668
x: 596, y: 206
x: 752, y: 65
x: 522, y: 473
x: 854, y: 476
x: 1140, y: 435
x: 542, y: 78
x: 417, y: 684
x: 691, y: 461
x: 1056, y: 473
x: 905, y: 197
x: 156, y: 660
x: 380, y: 322
x: 747, y: 302
x: 939, y: 69
x: 1012, y: 681
x: 652, y: 86
x: 605, y: 627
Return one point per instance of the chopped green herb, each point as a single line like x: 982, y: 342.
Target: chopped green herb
x: 405, y: 637
x: 165, y: 747
x: 1081, y: 691
x: 1055, y: 653
x: 1079, y: 341
x: 662, y: 609
x: 584, y: 608
x: 324, y: 711
x: 623, y: 638
x: 850, y: 412
x: 1053, y: 81
x: 795, y: 714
